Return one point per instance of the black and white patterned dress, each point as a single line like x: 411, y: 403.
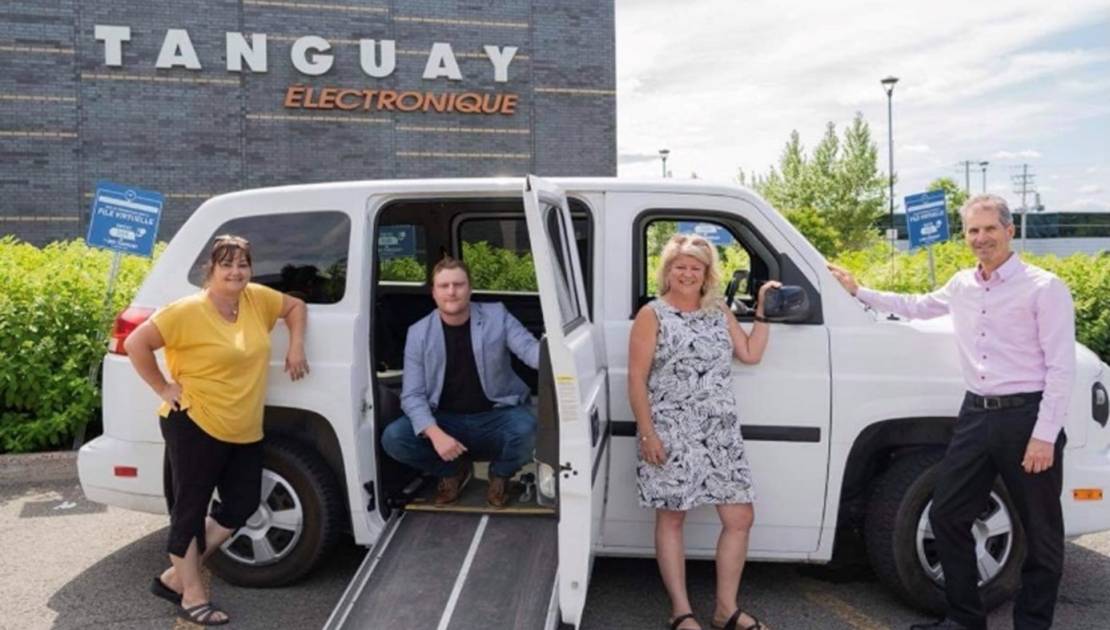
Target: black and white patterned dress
x: 694, y: 413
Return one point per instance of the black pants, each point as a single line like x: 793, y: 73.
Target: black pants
x: 196, y: 464
x: 986, y: 444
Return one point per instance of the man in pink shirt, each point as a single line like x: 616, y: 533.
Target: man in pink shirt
x: 1015, y: 332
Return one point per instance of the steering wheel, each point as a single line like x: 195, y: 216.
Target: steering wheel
x: 738, y: 276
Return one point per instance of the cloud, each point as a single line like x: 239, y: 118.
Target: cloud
x: 1086, y: 204
x: 1012, y: 155
x: 1090, y: 189
x: 723, y: 86
x: 637, y: 158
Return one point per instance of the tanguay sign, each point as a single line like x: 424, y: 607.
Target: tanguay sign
x: 311, y: 57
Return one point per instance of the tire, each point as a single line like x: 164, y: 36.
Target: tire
x: 300, y: 519
x: 905, y: 558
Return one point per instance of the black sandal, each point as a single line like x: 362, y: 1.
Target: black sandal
x: 679, y: 619
x: 201, y: 614
x: 159, y: 589
x: 734, y: 619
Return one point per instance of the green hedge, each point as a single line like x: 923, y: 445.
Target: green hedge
x: 1087, y: 276
x: 52, y: 301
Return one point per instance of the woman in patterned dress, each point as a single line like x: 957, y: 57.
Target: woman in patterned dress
x: 691, y: 450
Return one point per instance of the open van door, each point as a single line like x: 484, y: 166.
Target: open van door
x: 580, y: 403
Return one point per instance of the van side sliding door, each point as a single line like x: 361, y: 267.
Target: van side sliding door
x: 580, y: 389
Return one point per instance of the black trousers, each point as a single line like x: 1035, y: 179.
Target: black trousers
x: 987, y: 444
x: 195, y: 465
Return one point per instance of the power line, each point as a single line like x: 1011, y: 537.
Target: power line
x: 967, y: 164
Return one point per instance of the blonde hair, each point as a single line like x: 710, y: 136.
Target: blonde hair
x: 699, y: 249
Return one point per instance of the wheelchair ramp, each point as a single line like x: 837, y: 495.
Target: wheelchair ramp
x: 455, y: 571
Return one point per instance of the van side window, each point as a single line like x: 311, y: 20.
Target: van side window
x: 569, y: 308
x: 303, y: 254
x: 403, y: 254
x: 498, y: 253
x: 736, y: 258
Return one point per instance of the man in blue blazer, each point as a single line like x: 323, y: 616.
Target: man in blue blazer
x: 460, y: 394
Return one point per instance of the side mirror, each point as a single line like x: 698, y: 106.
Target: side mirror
x: 788, y: 303
x: 738, y: 277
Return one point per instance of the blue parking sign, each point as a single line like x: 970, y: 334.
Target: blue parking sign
x: 396, y: 241
x: 124, y: 219
x: 716, y: 234
x: 927, y: 218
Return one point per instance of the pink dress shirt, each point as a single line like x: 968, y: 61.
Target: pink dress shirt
x: 1015, y: 333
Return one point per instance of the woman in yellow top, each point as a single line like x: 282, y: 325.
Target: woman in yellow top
x: 217, y: 345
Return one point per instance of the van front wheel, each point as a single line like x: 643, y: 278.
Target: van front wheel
x: 295, y: 525
x: 902, y: 548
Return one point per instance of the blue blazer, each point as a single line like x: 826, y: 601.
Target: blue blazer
x: 494, y: 332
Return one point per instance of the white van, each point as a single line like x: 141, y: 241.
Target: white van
x: 844, y: 418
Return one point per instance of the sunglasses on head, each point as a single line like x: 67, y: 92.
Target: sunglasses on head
x: 228, y: 238
x: 693, y: 240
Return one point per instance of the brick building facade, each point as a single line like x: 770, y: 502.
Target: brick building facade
x: 70, y: 117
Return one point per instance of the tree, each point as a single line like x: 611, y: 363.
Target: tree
x: 861, y: 186
x: 816, y: 230
x: 955, y: 197
x: 833, y: 197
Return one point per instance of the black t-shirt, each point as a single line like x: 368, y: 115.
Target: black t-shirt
x: 462, y: 389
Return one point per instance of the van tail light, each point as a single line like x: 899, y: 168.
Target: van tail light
x: 126, y: 322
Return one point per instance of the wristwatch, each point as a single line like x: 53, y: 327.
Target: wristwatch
x: 760, y: 318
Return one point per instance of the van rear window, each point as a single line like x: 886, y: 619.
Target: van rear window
x: 303, y: 254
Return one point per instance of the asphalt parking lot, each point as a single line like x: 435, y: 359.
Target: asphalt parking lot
x: 70, y: 563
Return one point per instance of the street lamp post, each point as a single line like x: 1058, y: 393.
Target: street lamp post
x: 663, y: 153
x: 983, y: 165
x: 888, y: 85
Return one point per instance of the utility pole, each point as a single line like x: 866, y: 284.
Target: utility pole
x: 1023, y: 185
x: 967, y: 176
x: 983, y: 165
x: 888, y: 86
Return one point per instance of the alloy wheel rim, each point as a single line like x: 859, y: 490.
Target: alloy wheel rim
x: 272, y: 532
x: 993, y: 532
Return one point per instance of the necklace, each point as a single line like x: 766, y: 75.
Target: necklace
x: 230, y: 313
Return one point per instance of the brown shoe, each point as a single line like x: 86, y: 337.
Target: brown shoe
x: 498, y: 493
x: 449, y: 488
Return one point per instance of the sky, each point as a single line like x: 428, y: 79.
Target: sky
x: 722, y: 83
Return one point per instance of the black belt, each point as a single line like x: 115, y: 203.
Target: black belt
x: 1003, y: 402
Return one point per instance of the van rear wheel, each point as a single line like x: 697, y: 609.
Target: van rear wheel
x: 902, y: 548
x: 297, y: 521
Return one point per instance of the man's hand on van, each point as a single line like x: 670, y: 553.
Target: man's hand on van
x: 171, y: 393
x: 845, y: 278
x: 448, y: 448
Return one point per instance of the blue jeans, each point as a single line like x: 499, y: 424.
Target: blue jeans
x: 503, y: 436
